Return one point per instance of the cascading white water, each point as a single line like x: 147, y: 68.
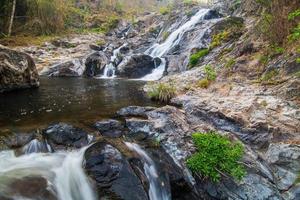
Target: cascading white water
x: 110, y: 69
x: 63, y: 171
x: 157, y: 189
x: 159, y: 50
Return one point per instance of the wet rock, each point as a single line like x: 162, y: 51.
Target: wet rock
x: 32, y: 188
x: 135, y: 66
x: 212, y: 14
x: 17, y: 70
x: 63, y: 135
x: 18, y: 140
x: 137, y: 111
x: 110, y: 128
x: 96, y: 47
x: 112, y: 173
x: 73, y: 68
x: 285, y: 161
x: 95, y: 64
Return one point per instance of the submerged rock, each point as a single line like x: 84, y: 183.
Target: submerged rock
x: 63, y: 135
x: 110, y: 128
x: 112, y: 173
x: 136, y: 66
x: 17, y: 70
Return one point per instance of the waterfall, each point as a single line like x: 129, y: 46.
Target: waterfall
x: 62, y: 170
x: 160, y: 50
x: 110, y: 69
x: 157, y: 189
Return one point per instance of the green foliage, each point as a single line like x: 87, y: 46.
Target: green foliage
x: 269, y: 76
x: 230, y: 63
x: 215, y: 156
x: 298, y: 60
x: 278, y: 49
x: 162, y: 92
x: 217, y: 39
x: 294, y: 15
x: 189, y: 2
x: 295, y: 35
x: 203, y: 83
x: 164, y: 10
x: 197, y: 56
x: 111, y: 23
x: 211, y: 74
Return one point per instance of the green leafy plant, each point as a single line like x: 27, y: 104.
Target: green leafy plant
x: 216, y: 155
x: 293, y: 15
x: 197, y: 56
x: 162, y: 92
x: 211, y: 74
x: 230, y: 63
x: 298, y: 60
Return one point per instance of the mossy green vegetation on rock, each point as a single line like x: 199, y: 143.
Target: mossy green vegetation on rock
x: 163, y: 92
x: 197, y: 56
x: 216, y: 156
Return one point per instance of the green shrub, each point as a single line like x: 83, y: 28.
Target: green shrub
x: 294, y: 15
x: 230, y: 63
x: 295, y: 35
x: 203, y: 83
x: 211, y: 74
x: 217, y: 39
x: 215, y: 156
x: 197, y: 56
x: 162, y: 92
x: 298, y: 60
x: 164, y: 10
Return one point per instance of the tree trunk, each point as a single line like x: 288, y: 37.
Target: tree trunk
x: 12, y: 17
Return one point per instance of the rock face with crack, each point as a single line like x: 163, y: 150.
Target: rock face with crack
x: 17, y: 70
x: 112, y: 173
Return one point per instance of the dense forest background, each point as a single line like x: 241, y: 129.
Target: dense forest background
x: 38, y: 17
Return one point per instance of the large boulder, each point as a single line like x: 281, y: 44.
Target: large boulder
x: 95, y: 64
x: 114, y: 177
x: 110, y: 128
x: 17, y: 70
x: 61, y: 136
x: 136, y: 66
x: 72, y: 68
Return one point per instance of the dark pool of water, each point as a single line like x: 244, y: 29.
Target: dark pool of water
x: 72, y: 100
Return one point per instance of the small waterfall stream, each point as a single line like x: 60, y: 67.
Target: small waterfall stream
x: 157, y: 189
x: 110, y: 69
x: 62, y: 170
x: 159, y: 50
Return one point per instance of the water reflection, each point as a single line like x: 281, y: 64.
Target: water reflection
x: 75, y: 100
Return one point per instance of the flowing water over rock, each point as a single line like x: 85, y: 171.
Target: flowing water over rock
x: 62, y: 171
x: 157, y: 188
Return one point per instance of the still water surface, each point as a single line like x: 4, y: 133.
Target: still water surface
x: 73, y: 100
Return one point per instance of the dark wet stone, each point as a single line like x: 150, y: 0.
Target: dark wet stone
x: 31, y: 187
x: 112, y: 173
x: 136, y: 66
x: 95, y: 64
x: 110, y: 128
x: 18, y: 140
x: 65, y: 135
x: 137, y: 111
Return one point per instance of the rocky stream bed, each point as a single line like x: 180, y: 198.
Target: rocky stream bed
x: 89, y: 132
